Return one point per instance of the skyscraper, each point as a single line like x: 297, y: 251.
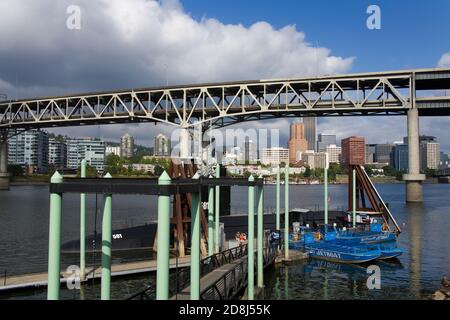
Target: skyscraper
x: 334, y: 153
x: 353, y: 151
x: 310, y: 124
x: 162, y: 146
x: 324, y: 141
x: 400, y: 157
x: 297, y: 141
x: 430, y: 155
x: 250, y: 152
x: 127, y: 146
x: 383, y: 153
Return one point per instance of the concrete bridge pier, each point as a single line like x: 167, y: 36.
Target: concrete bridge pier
x: 4, y: 175
x: 413, y: 179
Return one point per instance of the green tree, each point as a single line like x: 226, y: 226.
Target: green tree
x: 307, y: 173
x: 158, y: 170
x: 369, y: 169
x: 15, y: 170
x: 389, y: 171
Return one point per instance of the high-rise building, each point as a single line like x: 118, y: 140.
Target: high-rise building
x: 297, y: 141
x: 383, y: 153
x: 112, y: 150
x: 334, y: 153
x: 445, y: 162
x: 29, y: 150
x: 274, y: 156
x: 353, y: 151
x: 430, y: 155
x: 93, y: 150
x: 370, y: 153
x: 57, y: 154
x: 324, y: 141
x: 400, y: 157
x: 310, y: 124
x: 162, y: 146
x: 250, y: 152
x: 126, y: 146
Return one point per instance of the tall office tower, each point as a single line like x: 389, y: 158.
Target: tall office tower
x: 383, y: 153
x: 310, y: 124
x: 297, y: 141
x: 370, y: 153
x: 57, y: 154
x: 250, y: 152
x: 324, y: 141
x: 430, y: 155
x: 91, y: 149
x: 29, y: 150
x: 353, y: 151
x: 162, y: 146
x: 127, y: 146
x: 400, y: 157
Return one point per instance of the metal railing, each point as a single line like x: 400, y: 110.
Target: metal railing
x: 234, y: 281
x: 181, y: 278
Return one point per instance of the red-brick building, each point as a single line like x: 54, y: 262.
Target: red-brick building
x: 353, y: 151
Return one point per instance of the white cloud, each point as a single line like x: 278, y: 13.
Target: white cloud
x: 444, y: 61
x: 139, y: 43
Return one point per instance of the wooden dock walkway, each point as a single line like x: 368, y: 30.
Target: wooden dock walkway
x: 123, y: 269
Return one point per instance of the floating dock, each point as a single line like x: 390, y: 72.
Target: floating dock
x: 36, y: 280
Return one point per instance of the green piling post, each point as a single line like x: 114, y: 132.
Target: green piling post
x: 354, y: 198
x: 54, y: 241
x: 278, y: 227
x: 162, y: 262
x: 286, y: 212
x: 325, y: 196
x: 217, y: 213
x: 211, y: 220
x: 83, y: 226
x: 195, y: 244
x: 260, y: 235
x: 106, y: 245
x: 250, y: 239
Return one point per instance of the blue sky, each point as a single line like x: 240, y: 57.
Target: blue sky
x: 414, y: 34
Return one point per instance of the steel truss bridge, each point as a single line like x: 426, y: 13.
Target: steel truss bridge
x: 221, y: 104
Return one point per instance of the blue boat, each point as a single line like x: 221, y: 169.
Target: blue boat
x: 389, y: 251
x: 384, y: 242
x: 335, y: 252
x: 365, y: 237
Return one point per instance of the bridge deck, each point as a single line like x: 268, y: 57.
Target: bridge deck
x: 40, y: 279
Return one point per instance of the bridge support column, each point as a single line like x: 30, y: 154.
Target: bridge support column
x: 195, y: 244
x: 260, y: 236
x: 251, y: 240
x: 106, y: 245
x: 413, y: 179
x: 4, y: 175
x: 54, y: 242
x: 286, y: 212
x: 217, y: 214
x: 211, y: 234
x: 163, y: 234
x: 278, y: 227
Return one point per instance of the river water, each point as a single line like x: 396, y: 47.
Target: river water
x: 425, y: 239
